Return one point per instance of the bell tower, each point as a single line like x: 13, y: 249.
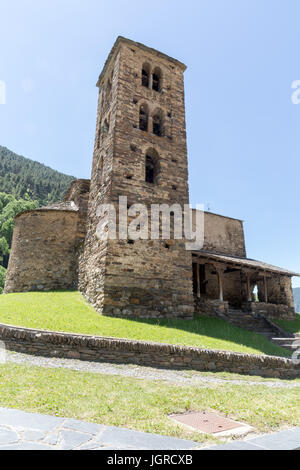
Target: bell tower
x: 140, y: 152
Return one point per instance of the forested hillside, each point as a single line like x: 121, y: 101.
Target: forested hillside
x: 24, y: 184
x: 22, y: 177
x: 297, y: 299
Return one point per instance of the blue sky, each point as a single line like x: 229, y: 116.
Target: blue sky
x: 243, y: 129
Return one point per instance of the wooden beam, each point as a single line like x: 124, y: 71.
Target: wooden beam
x: 220, y: 280
x: 266, y: 288
x: 249, y: 293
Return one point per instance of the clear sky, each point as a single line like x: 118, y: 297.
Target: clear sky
x: 243, y: 129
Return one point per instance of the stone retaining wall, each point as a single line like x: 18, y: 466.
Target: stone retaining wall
x: 211, y: 308
x: 93, y: 348
x: 269, y: 310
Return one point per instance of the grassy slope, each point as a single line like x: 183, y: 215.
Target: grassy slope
x: 142, y: 404
x: 67, y: 311
x: 290, y: 326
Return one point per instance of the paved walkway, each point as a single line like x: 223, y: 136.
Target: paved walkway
x: 283, y: 440
x: 28, y: 431
x: 178, y: 377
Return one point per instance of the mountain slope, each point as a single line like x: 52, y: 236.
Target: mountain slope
x: 297, y: 299
x: 20, y: 176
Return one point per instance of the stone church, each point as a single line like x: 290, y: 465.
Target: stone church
x: 140, y: 152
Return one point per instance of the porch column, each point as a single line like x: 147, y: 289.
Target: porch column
x: 249, y: 293
x: 198, y: 280
x: 266, y: 288
x: 220, y: 280
x: 150, y: 80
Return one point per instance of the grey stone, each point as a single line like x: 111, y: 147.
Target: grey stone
x: 141, y: 440
x: 26, y: 446
x: 82, y: 426
x: 52, y: 439
x: 72, y: 439
x: 7, y: 436
x: 284, y: 440
x: 20, y: 419
x: 33, y: 435
x: 94, y: 446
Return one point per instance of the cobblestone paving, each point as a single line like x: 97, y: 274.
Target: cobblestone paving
x: 29, y: 431
x: 127, y: 370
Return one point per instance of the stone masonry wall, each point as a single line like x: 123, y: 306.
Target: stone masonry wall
x: 145, y: 278
x: 43, y: 254
x: 223, y: 235
x: 280, y: 291
x: 272, y: 310
x: 92, y: 348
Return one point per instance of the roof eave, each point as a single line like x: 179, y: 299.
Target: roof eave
x: 122, y: 39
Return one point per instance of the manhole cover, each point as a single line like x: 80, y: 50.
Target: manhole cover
x: 207, y: 422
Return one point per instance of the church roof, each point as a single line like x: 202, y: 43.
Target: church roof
x: 141, y: 46
x: 246, y: 262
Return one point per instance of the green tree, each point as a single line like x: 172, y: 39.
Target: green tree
x: 2, y: 278
x: 20, y: 176
x: 9, y: 208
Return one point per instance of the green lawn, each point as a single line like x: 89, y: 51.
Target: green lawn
x: 68, y: 311
x: 292, y: 326
x: 142, y: 404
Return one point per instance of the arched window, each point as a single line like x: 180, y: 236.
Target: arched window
x: 108, y: 87
x: 156, y: 79
x: 144, y: 116
x: 105, y: 127
x: 99, y: 137
x: 146, y: 75
x: 157, y: 121
x: 152, y: 166
x: 99, y: 171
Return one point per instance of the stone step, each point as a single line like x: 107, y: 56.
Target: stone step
x: 293, y: 344
x: 258, y: 324
x: 291, y: 341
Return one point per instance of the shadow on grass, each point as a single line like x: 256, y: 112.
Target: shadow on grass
x: 291, y: 326
x: 219, y: 329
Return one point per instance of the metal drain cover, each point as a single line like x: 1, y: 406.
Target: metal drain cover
x: 207, y: 422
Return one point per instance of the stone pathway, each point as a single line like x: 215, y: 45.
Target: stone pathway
x: 283, y: 440
x: 128, y: 370
x: 28, y: 431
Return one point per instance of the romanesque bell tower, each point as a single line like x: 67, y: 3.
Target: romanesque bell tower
x: 140, y: 152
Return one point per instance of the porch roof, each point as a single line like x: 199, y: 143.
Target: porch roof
x: 244, y: 262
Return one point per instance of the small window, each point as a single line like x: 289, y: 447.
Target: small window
x: 156, y: 80
x: 149, y: 170
x: 146, y: 75
x: 144, y: 114
x: 157, y: 124
x: 152, y: 166
x: 105, y: 127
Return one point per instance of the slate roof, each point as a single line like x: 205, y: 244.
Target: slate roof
x: 246, y: 262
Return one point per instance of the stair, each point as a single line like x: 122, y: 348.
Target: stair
x: 260, y: 324
x: 293, y: 344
